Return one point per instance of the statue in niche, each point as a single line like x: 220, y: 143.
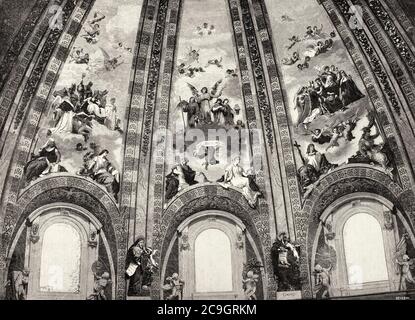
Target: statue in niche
x: 174, y: 287
x: 250, y: 283
x: 322, y: 282
x: 285, y: 260
x: 19, y: 282
x: 404, y: 264
x: 140, y: 268
x: 237, y: 177
x: 101, y: 280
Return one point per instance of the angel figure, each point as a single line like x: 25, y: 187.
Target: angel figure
x: 293, y: 41
x: 204, y: 98
x: 286, y: 18
x: 291, y: 60
x: 192, y: 55
x: 250, y: 285
x: 406, y: 266
x: 231, y: 73
x: 371, y: 150
x: 307, y: 105
x: 322, y: 281
x: 404, y: 263
x: 174, y: 285
x: 92, y: 32
x: 215, y: 62
x: 111, y: 63
x: 320, y: 136
x: 334, y: 141
x: 20, y: 283
x: 101, y: 282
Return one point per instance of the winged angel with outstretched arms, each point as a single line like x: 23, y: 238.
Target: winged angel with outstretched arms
x: 204, y: 97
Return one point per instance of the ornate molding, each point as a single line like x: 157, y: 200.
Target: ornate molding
x: 393, y: 33
x: 344, y: 182
x: 72, y: 190
x: 214, y: 197
x: 20, y: 39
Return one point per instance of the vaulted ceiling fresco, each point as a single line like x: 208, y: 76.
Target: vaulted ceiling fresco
x: 282, y: 129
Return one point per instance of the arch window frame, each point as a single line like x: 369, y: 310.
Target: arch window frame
x: 339, y: 212
x: 85, y: 225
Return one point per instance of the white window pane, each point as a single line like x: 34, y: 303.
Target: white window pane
x: 213, y: 262
x: 364, y: 250
x: 60, y: 261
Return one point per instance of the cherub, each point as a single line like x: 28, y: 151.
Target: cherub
x: 211, y: 29
x: 175, y: 286
x: 215, y: 62
x: 406, y: 266
x: 110, y: 63
x: 121, y: 46
x: 193, y: 55
x: 320, y: 136
x: 293, y: 41
x: 101, y: 282
x: 337, y: 134
x: 291, y: 60
x: 231, y: 73
x: 322, y: 281
x: 92, y: 33
x: 20, y: 281
x: 286, y: 18
x: 250, y: 285
x: 348, y: 126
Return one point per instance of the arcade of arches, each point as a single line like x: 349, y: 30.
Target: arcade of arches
x: 219, y: 149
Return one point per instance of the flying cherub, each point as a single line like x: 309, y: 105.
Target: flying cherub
x: 205, y: 29
x: 92, y: 32
x: 286, y: 18
x: 231, y: 73
x: 215, y: 62
x: 336, y: 135
x: 193, y: 55
x: 342, y: 130
x: 110, y: 63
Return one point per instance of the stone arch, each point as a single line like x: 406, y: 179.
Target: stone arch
x: 343, y: 181
x: 71, y: 189
x: 208, y: 197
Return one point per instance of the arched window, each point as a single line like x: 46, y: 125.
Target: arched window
x: 61, y: 259
x: 211, y: 256
x: 364, y: 250
x: 362, y: 232
x: 61, y: 247
x: 213, y: 262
